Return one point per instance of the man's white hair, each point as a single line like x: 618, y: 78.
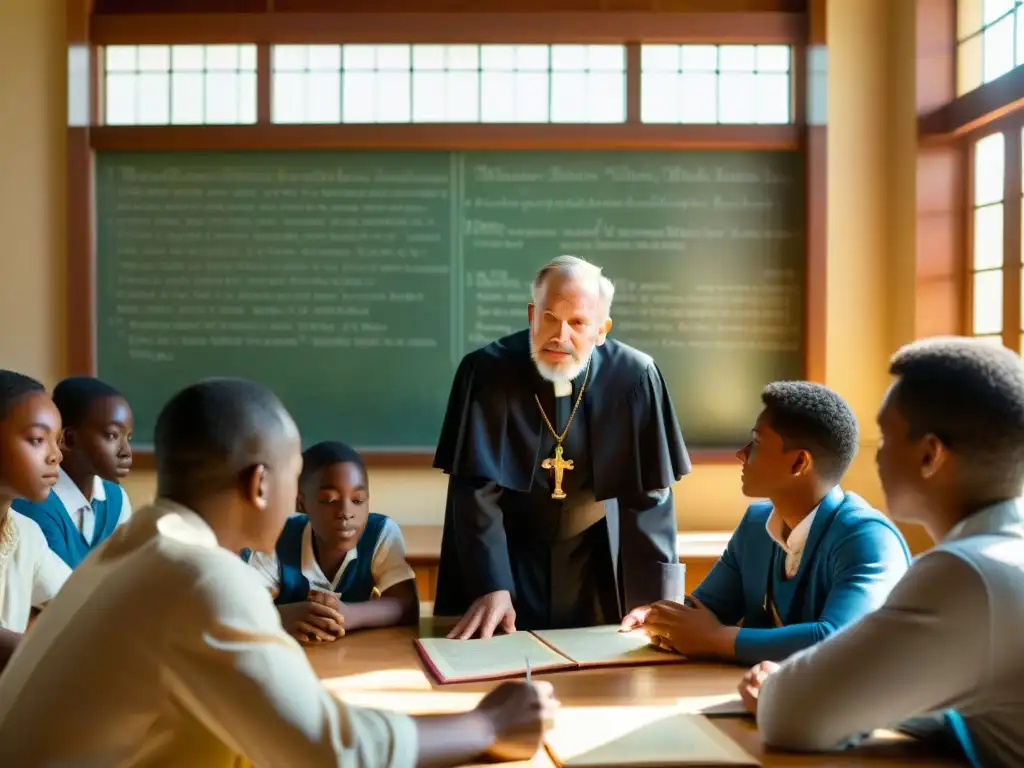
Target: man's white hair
x: 578, y: 269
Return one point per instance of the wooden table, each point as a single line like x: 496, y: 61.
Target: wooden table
x: 380, y: 668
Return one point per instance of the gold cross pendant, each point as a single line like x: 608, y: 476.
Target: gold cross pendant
x: 559, y: 465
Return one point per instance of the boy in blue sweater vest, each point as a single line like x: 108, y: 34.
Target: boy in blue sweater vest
x: 87, y: 503
x: 335, y: 554
x: 802, y: 564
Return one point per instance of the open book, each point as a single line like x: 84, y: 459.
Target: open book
x: 502, y: 656
x: 595, y: 737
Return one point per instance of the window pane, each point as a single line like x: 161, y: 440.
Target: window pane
x: 154, y: 58
x: 989, y: 169
x: 428, y: 57
x: 993, y: 9
x: 187, y: 98
x: 572, y: 58
x: 120, y: 99
x: 497, y: 97
x: 394, y: 95
x: 289, y: 97
x: 323, y: 97
x: 700, y: 57
x: 498, y: 57
x: 606, y: 96
x: 357, y: 96
x: 428, y: 97
x: 222, y: 98
x: 968, y: 67
x: 154, y: 99
x: 120, y: 58
x: 988, y: 237
x: 736, y: 58
x: 324, y: 58
x: 968, y: 20
x: 569, y: 97
x: 462, y: 98
x: 532, y: 58
x: 997, y: 46
x: 532, y: 99
x: 698, y: 98
x: 222, y: 57
x: 773, y: 99
x: 607, y: 58
x: 737, y: 98
x: 247, y: 98
x: 659, y: 97
x: 188, y: 58
x: 773, y: 58
x: 659, y: 58
x: 988, y: 302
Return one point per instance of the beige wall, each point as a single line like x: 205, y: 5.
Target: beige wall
x: 871, y: 232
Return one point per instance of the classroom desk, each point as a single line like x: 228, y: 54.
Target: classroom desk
x: 380, y: 668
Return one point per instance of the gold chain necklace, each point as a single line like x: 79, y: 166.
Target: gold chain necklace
x: 558, y: 464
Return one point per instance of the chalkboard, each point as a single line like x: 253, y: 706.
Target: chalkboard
x: 352, y: 283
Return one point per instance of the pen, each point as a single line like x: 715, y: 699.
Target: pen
x: 527, y: 669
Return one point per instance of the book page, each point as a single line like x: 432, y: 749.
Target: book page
x: 591, y: 646
x: 493, y: 658
x: 593, y: 737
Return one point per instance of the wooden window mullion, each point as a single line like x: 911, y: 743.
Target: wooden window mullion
x: 1012, y: 240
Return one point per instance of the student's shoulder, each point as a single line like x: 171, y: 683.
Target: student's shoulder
x: 757, y: 514
x: 30, y: 536
x: 39, y: 510
x: 860, y: 522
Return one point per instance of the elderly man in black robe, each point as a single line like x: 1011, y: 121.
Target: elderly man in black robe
x: 561, y: 446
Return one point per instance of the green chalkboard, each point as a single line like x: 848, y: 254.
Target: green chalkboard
x: 353, y: 282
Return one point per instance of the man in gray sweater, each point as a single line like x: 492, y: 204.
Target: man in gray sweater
x: 942, y: 657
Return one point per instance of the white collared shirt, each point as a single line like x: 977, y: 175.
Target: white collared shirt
x: 80, y: 509
x: 388, y: 566
x: 792, y: 545
x: 176, y: 656
x: 30, y: 573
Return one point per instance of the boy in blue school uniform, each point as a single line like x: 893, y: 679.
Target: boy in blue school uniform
x: 87, y: 503
x: 335, y: 554
x: 802, y: 564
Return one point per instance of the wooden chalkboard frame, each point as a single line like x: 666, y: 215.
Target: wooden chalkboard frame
x: 88, y: 32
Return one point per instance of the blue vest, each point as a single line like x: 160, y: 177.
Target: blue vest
x: 60, y: 531
x: 356, y: 583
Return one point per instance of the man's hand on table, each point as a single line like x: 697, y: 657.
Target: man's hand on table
x: 750, y: 685
x: 687, y: 628
x: 485, y: 615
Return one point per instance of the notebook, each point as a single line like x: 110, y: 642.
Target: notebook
x: 595, y: 737
x: 503, y: 656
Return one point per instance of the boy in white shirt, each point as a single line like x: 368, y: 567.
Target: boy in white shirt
x: 335, y: 555
x: 167, y: 648
x: 30, y: 574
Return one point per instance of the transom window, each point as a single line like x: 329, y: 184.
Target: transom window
x: 715, y: 84
x: 990, y: 37
x: 449, y: 84
x: 180, y: 84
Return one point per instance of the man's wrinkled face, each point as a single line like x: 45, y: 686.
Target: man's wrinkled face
x: 567, y: 321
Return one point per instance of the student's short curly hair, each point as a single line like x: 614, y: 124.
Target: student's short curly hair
x: 970, y: 395
x: 13, y: 387
x: 318, y: 456
x: 75, y: 395
x: 816, y: 419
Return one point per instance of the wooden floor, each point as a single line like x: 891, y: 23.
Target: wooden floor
x: 380, y: 668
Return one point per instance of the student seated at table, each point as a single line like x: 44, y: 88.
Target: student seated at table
x: 942, y: 657
x: 336, y: 554
x: 86, y: 504
x: 30, y: 574
x: 802, y: 564
x: 164, y: 649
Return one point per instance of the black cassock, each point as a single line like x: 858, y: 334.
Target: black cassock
x: 610, y: 545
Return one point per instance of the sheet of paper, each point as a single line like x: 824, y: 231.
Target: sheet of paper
x: 496, y: 657
x: 605, y: 645
x: 593, y: 737
x: 726, y: 705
